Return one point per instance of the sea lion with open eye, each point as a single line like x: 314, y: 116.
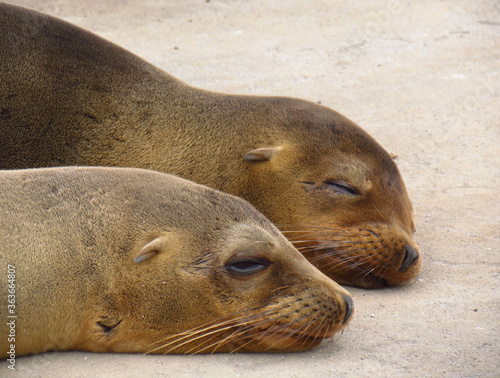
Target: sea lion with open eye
x: 69, y: 97
x: 135, y: 261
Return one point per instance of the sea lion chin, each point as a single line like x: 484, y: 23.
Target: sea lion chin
x: 134, y: 261
x: 71, y: 98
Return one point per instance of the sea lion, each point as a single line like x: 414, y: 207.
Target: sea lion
x: 68, y: 97
x: 129, y: 260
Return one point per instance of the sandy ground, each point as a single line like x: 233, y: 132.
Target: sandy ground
x: 423, y: 77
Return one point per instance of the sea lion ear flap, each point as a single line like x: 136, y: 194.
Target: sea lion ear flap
x: 150, y: 249
x: 261, y: 154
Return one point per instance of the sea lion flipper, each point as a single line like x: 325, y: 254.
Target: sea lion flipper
x: 150, y: 249
x: 262, y: 154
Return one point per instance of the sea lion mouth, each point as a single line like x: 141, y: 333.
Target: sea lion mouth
x: 274, y: 338
x: 361, y: 256
x: 361, y: 277
x: 370, y: 281
x: 346, y: 273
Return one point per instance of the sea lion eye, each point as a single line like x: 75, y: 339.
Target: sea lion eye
x: 340, y: 187
x: 247, y: 267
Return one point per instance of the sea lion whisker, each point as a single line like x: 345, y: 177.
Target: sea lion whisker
x: 313, y: 236
x: 319, y: 326
x: 341, y: 256
x: 332, y: 243
x: 333, y: 249
x: 368, y: 272
x: 385, y: 268
x: 198, y: 348
x: 245, y: 330
x: 242, y: 346
x: 190, y: 340
x: 280, y: 289
x: 233, y: 337
x: 336, y: 264
x: 217, y: 344
x: 298, y: 228
x: 228, y: 319
x: 300, y: 331
x: 320, y: 244
x: 351, y: 266
x: 241, y: 331
x: 171, y: 343
x: 363, y: 272
x: 192, y: 331
x: 339, y: 230
x: 268, y: 320
x: 349, y: 254
x: 195, y: 331
x: 377, y: 220
x: 364, y: 259
x: 201, y: 333
x: 277, y: 330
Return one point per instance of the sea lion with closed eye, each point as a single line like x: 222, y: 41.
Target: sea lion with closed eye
x: 69, y: 97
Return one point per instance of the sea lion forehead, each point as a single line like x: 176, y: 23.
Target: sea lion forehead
x: 249, y: 235
x: 322, y: 131
x: 341, y: 167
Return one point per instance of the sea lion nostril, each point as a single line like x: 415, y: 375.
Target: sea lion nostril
x: 411, y: 255
x: 349, y: 304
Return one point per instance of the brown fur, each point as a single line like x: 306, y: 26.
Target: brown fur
x: 69, y: 97
x: 72, y: 235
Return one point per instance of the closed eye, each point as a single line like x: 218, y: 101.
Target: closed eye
x: 247, y: 267
x: 342, y: 188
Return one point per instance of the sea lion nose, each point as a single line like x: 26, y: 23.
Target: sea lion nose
x: 411, y: 255
x: 349, y: 307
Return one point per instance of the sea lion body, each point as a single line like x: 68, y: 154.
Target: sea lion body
x: 69, y: 97
x: 129, y: 260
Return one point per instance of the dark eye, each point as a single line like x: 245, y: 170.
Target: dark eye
x: 247, y: 267
x: 342, y: 188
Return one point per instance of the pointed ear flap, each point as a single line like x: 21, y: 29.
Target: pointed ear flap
x: 150, y: 249
x: 261, y: 154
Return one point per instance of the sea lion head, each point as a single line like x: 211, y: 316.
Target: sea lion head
x: 336, y: 194
x: 219, y: 282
